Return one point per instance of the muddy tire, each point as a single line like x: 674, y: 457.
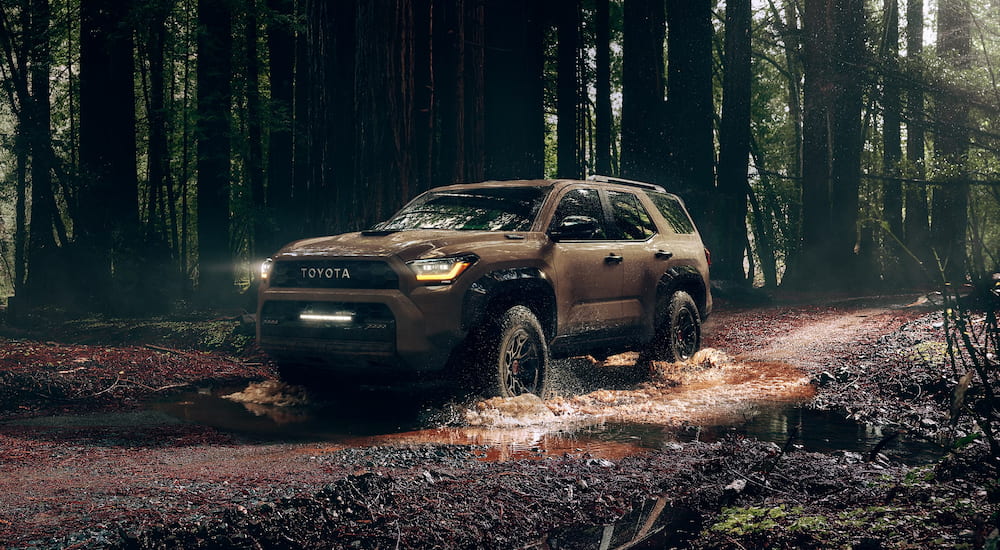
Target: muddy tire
x: 515, y: 356
x: 678, y: 331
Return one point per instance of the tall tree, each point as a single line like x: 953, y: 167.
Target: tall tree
x: 951, y: 144
x: 36, y: 124
x: 892, y: 148
x: 845, y: 149
x: 214, y: 73
x: 831, y: 167
x: 690, y: 111
x: 916, y: 223
x: 567, y: 17
x: 602, y: 122
x: 281, y: 67
x: 642, y: 135
x: 253, y: 164
x: 734, y: 144
x: 513, y: 94
x: 109, y: 224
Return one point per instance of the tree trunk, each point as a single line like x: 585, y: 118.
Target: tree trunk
x: 734, y: 145
x: 109, y: 227
x: 254, y: 162
x: 281, y: 45
x: 642, y: 135
x: 916, y: 225
x: 215, y: 258
x: 892, y: 151
x: 602, y: 132
x: 422, y: 88
x: 36, y: 111
x: 831, y: 144
x: 690, y: 147
x: 567, y: 17
x: 514, y: 115
x: 846, y: 134
x: 951, y: 143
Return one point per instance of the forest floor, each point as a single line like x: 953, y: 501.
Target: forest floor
x: 87, y: 463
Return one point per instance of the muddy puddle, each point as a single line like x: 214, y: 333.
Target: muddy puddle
x: 604, y: 410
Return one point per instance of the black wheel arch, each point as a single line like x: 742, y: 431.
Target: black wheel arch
x: 684, y: 278
x: 495, y: 292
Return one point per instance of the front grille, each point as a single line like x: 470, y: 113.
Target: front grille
x: 327, y: 273
x: 361, y: 326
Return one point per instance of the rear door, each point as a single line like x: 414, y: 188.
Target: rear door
x: 643, y: 261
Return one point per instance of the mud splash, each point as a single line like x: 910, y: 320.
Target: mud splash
x: 711, y: 388
x: 603, y: 410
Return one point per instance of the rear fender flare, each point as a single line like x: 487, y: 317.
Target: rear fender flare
x: 681, y: 277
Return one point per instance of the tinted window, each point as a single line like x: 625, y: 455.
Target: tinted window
x: 581, y: 202
x: 631, y: 219
x: 673, y: 212
x: 487, y: 209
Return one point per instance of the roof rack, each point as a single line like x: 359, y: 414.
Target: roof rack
x: 623, y: 181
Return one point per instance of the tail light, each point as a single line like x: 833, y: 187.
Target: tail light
x: 708, y: 257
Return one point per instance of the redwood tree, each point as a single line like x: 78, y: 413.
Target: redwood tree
x: 642, y: 90
x: 215, y: 258
x: 109, y: 223
x: 951, y: 143
x: 734, y: 144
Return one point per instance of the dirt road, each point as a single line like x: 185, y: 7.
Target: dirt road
x: 119, y: 472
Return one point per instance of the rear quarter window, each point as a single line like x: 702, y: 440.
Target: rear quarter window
x: 673, y: 212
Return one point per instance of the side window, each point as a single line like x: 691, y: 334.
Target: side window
x: 581, y: 203
x: 631, y: 218
x: 673, y: 212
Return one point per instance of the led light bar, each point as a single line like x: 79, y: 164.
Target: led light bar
x: 327, y: 317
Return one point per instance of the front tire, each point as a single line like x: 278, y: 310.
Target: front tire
x: 516, y: 356
x: 678, y: 331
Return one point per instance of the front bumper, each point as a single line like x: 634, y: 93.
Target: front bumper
x: 376, y: 332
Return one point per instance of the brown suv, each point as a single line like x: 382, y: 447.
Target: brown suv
x: 491, y: 280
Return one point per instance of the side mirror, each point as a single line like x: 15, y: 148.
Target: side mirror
x: 575, y: 228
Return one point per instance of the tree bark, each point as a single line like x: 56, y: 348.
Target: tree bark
x: 254, y: 161
x: 690, y: 112
x: 951, y: 144
x: 214, y: 73
x: 642, y: 137
x: 916, y: 227
x: 892, y: 150
x: 109, y: 227
x: 513, y: 94
x: 734, y: 144
x: 567, y: 132
x: 281, y: 64
x: 36, y: 116
x: 602, y: 131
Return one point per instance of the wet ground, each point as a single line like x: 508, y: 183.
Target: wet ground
x: 216, y: 445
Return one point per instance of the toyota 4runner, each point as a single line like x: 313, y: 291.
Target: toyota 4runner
x: 486, y: 282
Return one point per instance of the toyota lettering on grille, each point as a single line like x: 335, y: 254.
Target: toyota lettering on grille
x: 325, y: 273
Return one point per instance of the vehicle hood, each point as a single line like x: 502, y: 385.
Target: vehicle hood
x: 407, y: 245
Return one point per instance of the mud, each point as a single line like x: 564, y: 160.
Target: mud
x: 97, y: 468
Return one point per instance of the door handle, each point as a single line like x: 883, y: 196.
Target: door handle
x: 613, y: 259
x: 664, y: 255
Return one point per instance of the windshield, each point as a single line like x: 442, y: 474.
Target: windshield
x: 484, y: 209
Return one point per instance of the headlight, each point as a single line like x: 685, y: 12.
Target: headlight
x: 265, y: 268
x: 441, y: 271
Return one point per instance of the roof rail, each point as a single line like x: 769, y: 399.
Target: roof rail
x: 623, y: 181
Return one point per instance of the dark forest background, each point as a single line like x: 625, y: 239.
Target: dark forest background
x: 157, y: 150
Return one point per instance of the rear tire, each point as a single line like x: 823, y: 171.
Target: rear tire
x: 515, y: 357
x: 678, y: 331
